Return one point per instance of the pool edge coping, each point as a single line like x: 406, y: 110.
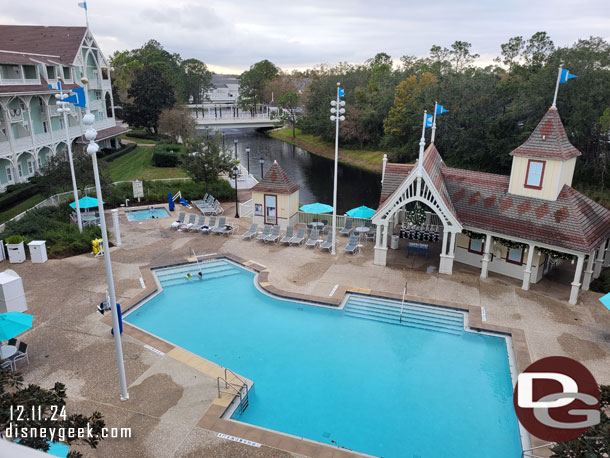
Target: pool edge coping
x: 213, y: 419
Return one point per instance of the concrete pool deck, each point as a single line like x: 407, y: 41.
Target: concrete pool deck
x: 70, y: 342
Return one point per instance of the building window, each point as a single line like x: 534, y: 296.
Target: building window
x: 19, y: 170
x: 30, y: 167
x: 9, y: 174
x: 67, y: 73
x: 51, y: 72
x: 98, y: 95
x: 534, y: 175
x: 515, y: 256
x: 476, y: 246
x: 45, y: 129
x: 62, y: 124
x: 39, y: 162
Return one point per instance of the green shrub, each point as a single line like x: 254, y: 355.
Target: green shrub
x: 53, y: 225
x: 146, y: 135
x: 14, y: 239
x: 120, y: 152
x: 166, y: 155
x: 17, y: 194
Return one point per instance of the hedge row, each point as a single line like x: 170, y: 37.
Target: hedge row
x: 165, y: 155
x: 120, y: 152
x: 145, y: 135
x: 15, y: 196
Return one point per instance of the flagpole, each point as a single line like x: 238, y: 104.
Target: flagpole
x: 557, y: 86
x: 422, y: 143
x: 334, y: 237
x: 434, y: 123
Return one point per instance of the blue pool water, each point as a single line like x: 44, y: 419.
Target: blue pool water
x: 346, y: 377
x: 147, y: 213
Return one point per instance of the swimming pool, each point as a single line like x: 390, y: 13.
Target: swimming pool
x: 340, y: 376
x: 146, y: 213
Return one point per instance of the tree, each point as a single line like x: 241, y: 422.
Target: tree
x: 52, y: 416
x: 151, y: 93
x: 252, y: 83
x: 596, y: 441
x: 289, y: 103
x: 511, y: 51
x: 205, y: 160
x: 56, y: 177
x: 539, y: 47
x: 197, y: 81
x: 177, y: 123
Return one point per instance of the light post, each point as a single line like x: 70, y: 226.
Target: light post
x: 235, y: 173
x: 336, y: 116
x: 262, y: 162
x: 63, y: 108
x: 92, y: 150
x: 248, y: 153
x: 235, y: 144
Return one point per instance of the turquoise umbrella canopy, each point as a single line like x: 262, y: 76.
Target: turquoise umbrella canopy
x: 361, y: 212
x: 316, y: 208
x: 85, y: 202
x: 14, y: 323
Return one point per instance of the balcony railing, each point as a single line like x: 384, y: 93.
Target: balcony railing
x: 94, y: 83
x: 53, y: 110
x: 96, y: 105
x: 16, y: 114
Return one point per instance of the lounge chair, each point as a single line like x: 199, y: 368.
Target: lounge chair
x: 12, y: 342
x: 352, y: 245
x: 190, y: 223
x: 313, y: 238
x: 288, y: 236
x: 228, y: 230
x: 274, y: 236
x: 328, y: 244
x: 299, y: 238
x: 8, y: 363
x: 200, y: 223
x: 220, y: 226
x: 22, y: 353
x: 349, y: 226
x: 208, y: 227
x: 266, y: 231
x: 177, y: 224
x: 251, y: 232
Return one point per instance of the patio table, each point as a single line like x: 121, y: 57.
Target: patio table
x: 362, y: 230
x: 6, y: 351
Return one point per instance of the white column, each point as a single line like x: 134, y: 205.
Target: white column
x: 527, y: 273
x: 599, y: 261
x: 452, y: 245
x: 446, y: 263
x: 381, y: 248
x: 486, y: 257
x: 576, y: 282
x: 586, y: 281
x: 384, y: 243
x: 607, y: 254
x: 445, y: 237
x: 117, y: 228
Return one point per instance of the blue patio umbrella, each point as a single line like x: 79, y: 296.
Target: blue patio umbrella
x: 14, y: 323
x: 86, y: 202
x: 316, y: 208
x: 605, y: 300
x: 361, y: 212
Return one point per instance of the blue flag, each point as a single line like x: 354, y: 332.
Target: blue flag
x: 429, y: 120
x: 83, y: 5
x: 341, y: 92
x: 78, y: 99
x: 565, y: 75
x: 440, y: 110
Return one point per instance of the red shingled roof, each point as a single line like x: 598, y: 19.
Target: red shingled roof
x: 103, y: 134
x: 55, y: 41
x: 548, y: 140
x: 276, y: 180
x: 394, y: 175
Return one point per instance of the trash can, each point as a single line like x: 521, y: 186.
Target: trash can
x: 394, y: 242
x: 38, y: 251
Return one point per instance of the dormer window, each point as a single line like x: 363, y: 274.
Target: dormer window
x: 534, y: 174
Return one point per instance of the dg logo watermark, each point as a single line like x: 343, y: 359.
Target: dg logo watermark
x: 557, y: 399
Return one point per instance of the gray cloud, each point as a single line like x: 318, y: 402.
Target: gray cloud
x: 235, y: 34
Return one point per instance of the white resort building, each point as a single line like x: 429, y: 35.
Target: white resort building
x: 520, y: 225
x: 31, y: 130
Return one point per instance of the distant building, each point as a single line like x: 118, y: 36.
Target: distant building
x: 31, y: 129
x: 225, y: 89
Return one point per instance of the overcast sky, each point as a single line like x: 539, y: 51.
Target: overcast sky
x: 231, y: 35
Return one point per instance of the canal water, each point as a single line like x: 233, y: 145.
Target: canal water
x: 314, y: 173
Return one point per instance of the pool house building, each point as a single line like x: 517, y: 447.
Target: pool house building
x: 522, y: 225
x: 31, y: 129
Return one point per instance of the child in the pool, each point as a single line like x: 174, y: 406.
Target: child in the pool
x: 200, y: 275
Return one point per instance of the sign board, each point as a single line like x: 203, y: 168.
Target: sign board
x: 138, y: 189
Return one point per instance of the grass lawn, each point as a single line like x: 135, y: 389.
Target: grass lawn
x: 23, y: 206
x: 138, y: 165
x: 371, y: 160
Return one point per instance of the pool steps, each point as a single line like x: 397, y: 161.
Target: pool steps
x: 211, y: 269
x: 414, y: 315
